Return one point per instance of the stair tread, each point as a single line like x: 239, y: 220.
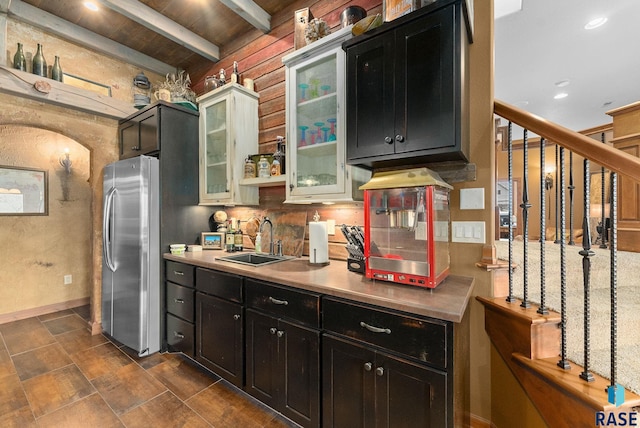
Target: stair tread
x: 594, y: 393
x: 529, y: 314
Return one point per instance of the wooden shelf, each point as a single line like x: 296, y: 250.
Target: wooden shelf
x: 264, y: 182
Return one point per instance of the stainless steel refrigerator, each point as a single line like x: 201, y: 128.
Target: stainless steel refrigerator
x: 131, y: 256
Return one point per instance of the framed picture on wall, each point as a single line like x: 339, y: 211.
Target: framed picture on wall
x: 23, y: 191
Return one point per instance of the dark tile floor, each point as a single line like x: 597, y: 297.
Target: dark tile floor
x: 53, y: 373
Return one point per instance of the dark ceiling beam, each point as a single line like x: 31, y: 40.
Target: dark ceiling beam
x: 24, y: 12
x: 251, y: 12
x: 154, y: 21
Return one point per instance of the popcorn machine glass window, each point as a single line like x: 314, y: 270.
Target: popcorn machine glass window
x: 407, y: 227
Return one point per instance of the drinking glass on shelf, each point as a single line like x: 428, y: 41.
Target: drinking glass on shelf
x: 303, y: 138
x: 324, y: 131
x: 313, y: 133
x: 313, y: 92
x: 319, y: 137
x: 325, y: 89
x: 332, y: 122
x: 303, y: 92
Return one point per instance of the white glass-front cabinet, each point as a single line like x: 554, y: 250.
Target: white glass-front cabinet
x: 228, y: 133
x: 316, y: 134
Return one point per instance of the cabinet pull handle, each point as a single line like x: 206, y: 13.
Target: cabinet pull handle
x: 375, y: 329
x: 278, y: 302
x: 388, y: 140
x: 178, y: 300
x: 236, y: 317
x: 380, y: 371
x: 178, y: 335
x: 273, y: 330
x: 280, y: 333
x: 368, y: 367
x: 177, y: 272
x: 399, y: 138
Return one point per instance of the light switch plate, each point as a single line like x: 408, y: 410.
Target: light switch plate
x: 468, y: 231
x: 472, y: 199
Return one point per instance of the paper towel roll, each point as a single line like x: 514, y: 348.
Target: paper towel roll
x: 318, y: 243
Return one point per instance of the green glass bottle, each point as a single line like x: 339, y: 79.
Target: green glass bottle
x: 56, y: 70
x: 19, y: 60
x: 39, y: 63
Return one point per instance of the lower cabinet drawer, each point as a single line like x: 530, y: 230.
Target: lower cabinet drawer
x: 179, y: 273
x: 301, y: 306
x: 180, y: 301
x: 180, y: 335
x: 421, y: 339
x: 219, y: 284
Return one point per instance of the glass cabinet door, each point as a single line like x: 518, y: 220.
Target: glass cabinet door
x: 316, y: 134
x: 216, y: 177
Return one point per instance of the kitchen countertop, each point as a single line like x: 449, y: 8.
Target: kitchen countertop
x: 448, y: 301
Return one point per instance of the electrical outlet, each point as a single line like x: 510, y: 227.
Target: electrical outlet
x: 68, y: 279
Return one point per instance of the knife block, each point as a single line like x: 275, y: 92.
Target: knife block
x: 355, y: 265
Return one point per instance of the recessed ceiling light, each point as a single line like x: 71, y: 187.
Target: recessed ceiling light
x: 91, y: 6
x: 595, y: 23
x: 562, y: 83
x: 560, y: 96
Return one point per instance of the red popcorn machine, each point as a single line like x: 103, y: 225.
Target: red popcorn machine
x: 406, y: 216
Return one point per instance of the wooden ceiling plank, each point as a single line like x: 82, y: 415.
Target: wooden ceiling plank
x: 144, y: 15
x: 76, y: 34
x: 251, y: 12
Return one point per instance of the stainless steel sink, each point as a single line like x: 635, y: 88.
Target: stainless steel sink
x: 253, y: 259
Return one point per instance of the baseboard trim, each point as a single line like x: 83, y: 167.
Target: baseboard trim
x: 478, y: 422
x: 42, y: 310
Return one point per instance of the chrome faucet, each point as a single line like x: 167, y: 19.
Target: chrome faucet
x: 264, y: 221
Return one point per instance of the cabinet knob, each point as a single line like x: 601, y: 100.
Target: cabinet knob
x: 236, y: 317
x: 379, y: 371
x: 280, y: 333
x: 388, y: 140
x: 273, y: 330
x: 368, y: 367
x: 399, y: 138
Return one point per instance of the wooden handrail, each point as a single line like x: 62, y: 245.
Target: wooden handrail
x: 612, y: 159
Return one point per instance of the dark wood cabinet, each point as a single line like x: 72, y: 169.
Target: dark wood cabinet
x: 283, y: 355
x: 407, y: 97
x: 220, y: 324
x: 179, y: 297
x: 139, y: 135
x: 385, y: 369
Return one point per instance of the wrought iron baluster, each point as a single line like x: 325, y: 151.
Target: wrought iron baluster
x: 614, y: 388
x: 557, y: 240
x: 510, y: 297
x: 603, y: 241
x: 571, y: 189
x: 586, y: 254
x: 525, y: 220
x: 543, y: 294
x: 564, y: 363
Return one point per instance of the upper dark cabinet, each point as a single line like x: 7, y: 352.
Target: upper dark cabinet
x: 407, y: 89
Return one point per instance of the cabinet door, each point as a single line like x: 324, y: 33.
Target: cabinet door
x: 219, y: 337
x: 425, y: 94
x: 370, y: 108
x: 129, y: 139
x: 215, y: 177
x: 348, y: 383
x: 263, y: 374
x: 149, y: 132
x: 299, y: 361
x: 409, y: 395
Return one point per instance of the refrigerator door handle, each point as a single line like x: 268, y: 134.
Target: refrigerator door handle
x: 106, y: 229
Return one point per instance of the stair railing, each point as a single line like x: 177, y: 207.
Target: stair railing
x: 617, y: 162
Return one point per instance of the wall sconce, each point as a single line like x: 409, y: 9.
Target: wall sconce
x: 548, y: 181
x: 65, y: 161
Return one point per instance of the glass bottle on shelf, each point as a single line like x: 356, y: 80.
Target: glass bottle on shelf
x: 249, y: 168
x: 235, y: 75
x: 56, y: 70
x: 264, y: 169
x: 275, y: 167
x: 19, y: 60
x: 230, y: 238
x: 279, y: 154
x: 222, y: 79
x: 39, y: 64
